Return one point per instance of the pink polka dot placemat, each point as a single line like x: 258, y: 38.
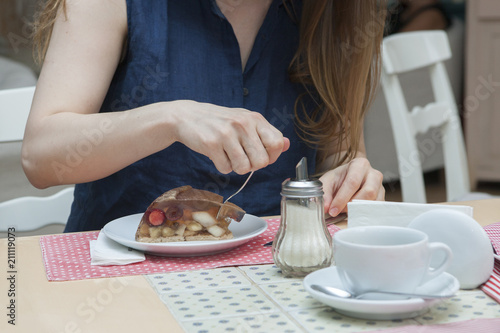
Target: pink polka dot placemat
x: 492, y: 286
x: 67, y: 257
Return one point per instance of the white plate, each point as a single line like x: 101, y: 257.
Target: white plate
x: 123, y: 230
x: 444, y: 284
x: 473, y: 260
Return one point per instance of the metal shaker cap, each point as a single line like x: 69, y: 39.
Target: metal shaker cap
x: 302, y: 185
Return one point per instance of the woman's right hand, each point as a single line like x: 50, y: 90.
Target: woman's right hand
x: 234, y: 139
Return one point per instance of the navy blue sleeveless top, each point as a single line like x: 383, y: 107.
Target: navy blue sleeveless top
x: 187, y: 50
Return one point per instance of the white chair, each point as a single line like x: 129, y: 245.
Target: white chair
x: 405, y: 52
x: 15, y: 106
x: 27, y: 213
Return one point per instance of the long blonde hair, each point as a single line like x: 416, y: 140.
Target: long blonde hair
x: 43, y: 24
x: 337, y: 61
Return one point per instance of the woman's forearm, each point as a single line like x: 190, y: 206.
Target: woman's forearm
x: 68, y: 148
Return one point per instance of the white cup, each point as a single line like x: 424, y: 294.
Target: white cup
x: 386, y: 258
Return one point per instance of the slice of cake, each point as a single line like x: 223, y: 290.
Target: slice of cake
x: 187, y: 214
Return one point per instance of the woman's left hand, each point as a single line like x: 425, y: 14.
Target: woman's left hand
x: 353, y: 180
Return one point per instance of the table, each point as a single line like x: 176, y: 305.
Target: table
x: 124, y: 304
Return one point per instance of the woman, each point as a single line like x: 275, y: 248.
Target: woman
x: 138, y: 97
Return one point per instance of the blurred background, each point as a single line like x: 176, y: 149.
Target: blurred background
x: 17, y: 67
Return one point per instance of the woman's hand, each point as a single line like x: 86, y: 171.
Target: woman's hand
x: 234, y: 139
x: 354, y: 180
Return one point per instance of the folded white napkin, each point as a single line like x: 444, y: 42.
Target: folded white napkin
x: 367, y: 212
x: 106, y: 252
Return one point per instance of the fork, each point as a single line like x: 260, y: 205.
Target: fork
x: 232, y: 195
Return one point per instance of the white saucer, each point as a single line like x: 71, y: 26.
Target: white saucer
x: 473, y: 259
x: 122, y: 230
x: 444, y: 284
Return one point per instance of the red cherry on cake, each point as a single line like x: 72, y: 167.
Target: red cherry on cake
x: 156, y: 217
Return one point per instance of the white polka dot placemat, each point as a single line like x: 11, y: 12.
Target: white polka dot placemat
x: 260, y: 299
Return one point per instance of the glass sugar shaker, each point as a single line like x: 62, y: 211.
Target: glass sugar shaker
x: 303, y: 243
